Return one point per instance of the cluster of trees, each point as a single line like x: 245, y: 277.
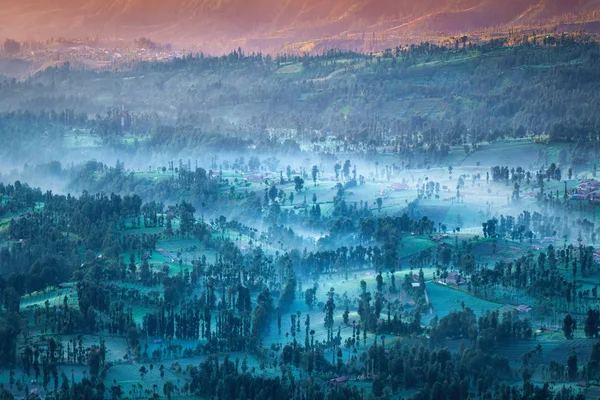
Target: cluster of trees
x: 489, y: 331
x: 545, y: 276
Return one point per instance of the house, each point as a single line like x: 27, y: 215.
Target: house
x: 255, y: 178
x: 341, y: 379
x: 166, y: 254
x: 453, y: 278
x: 523, y: 308
x: 398, y: 187
x: 415, y: 284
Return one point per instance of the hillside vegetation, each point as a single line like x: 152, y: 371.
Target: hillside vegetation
x: 402, y: 99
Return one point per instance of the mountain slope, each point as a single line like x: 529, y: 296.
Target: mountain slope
x: 197, y: 21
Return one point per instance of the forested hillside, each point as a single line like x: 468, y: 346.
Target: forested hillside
x: 404, y: 98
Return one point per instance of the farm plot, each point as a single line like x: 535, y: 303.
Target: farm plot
x: 116, y: 346
x: 559, y: 350
x: 413, y: 245
x: 155, y: 175
x: 54, y: 296
x: 138, y: 313
x: 509, y: 152
x: 170, y: 349
x: 504, y: 250
x: 81, y: 140
x: 445, y: 300
x: 130, y: 378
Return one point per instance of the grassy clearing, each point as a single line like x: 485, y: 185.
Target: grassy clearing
x: 510, y: 152
x: 54, y: 296
x: 81, y: 139
x: 291, y: 68
x: 412, y: 245
x: 504, y: 251
x: 445, y: 300
x: 154, y: 175
x: 128, y: 376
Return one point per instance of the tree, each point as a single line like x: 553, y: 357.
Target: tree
x: 445, y: 254
x: 329, y: 308
x: 168, y: 389
x: 572, y: 366
x: 378, y: 385
x: 298, y: 184
x: 253, y: 163
x: 568, y: 326
x: 289, y: 289
x: 132, y: 266
x: 145, y: 272
x: 592, y: 323
x: 315, y: 171
x: 262, y: 311
x: 379, y: 202
x: 11, y: 46
x: 116, y: 390
x: 593, y: 365
x: 273, y: 193
x: 309, y: 297
x: 346, y: 169
x: 186, y: 218
x: 143, y: 371
x: 245, y: 364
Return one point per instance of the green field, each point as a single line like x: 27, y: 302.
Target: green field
x: 445, y: 299
x: 55, y: 298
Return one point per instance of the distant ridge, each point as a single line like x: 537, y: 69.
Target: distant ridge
x: 273, y: 22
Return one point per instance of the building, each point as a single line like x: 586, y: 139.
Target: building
x: 523, y: 308
x: 453, y: 278
x: 398, y: 187
x: 337, y: 381
x: 255, y: 178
